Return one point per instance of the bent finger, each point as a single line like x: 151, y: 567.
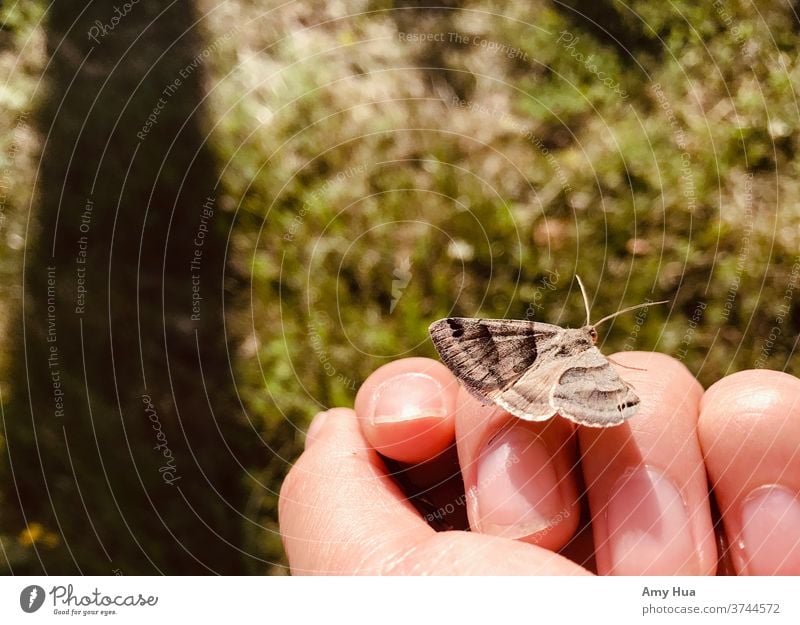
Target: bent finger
x: 406, y: 409
x: 517, y: 475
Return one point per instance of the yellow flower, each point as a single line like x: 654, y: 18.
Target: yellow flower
x: 36, y: 533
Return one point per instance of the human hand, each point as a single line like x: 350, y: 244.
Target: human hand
x: 343, y: 511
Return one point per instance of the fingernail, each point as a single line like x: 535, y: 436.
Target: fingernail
x: 517, y: 490
x: 770, y: 538
x: 315, y: 427
x: 648, y: 527
x: 406, y: 397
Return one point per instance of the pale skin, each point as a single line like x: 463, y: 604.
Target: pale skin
x: 645, y: 483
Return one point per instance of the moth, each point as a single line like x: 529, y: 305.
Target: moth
x: 536, y: 370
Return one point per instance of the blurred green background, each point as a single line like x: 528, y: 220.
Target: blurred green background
x: 361, y: 169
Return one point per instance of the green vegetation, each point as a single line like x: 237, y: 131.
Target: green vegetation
x: 381, y: 166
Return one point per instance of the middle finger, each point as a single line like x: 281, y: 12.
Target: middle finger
x: 646, y: 480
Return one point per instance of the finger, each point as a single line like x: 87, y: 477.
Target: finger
x: 340, y: 513
x: 750, y: 434
x: 407, y: 408
x: 646, y: 480
x: 517, y: 475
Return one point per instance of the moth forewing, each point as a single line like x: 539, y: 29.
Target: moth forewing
x: 489, y: 355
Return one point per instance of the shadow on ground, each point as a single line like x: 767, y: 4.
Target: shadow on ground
x: 124, y: 432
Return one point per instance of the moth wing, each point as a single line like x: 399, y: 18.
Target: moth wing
x: 590, y: 392
x: 529, y: 397
x: 489, y: 355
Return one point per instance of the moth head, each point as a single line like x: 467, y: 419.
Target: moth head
x: 593, y: 334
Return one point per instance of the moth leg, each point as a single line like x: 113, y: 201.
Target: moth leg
x: 504, y: 428
x: 619, y: 364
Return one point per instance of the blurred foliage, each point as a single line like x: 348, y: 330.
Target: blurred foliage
x: 377, y: 182
x: 22, y: 59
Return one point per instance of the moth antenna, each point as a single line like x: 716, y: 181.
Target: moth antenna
x: 585, y: 297
x: 628, y: 309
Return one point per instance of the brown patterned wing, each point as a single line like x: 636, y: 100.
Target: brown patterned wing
x: 529, y: 397
x: 590, y: 392
x: 489, y: 355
